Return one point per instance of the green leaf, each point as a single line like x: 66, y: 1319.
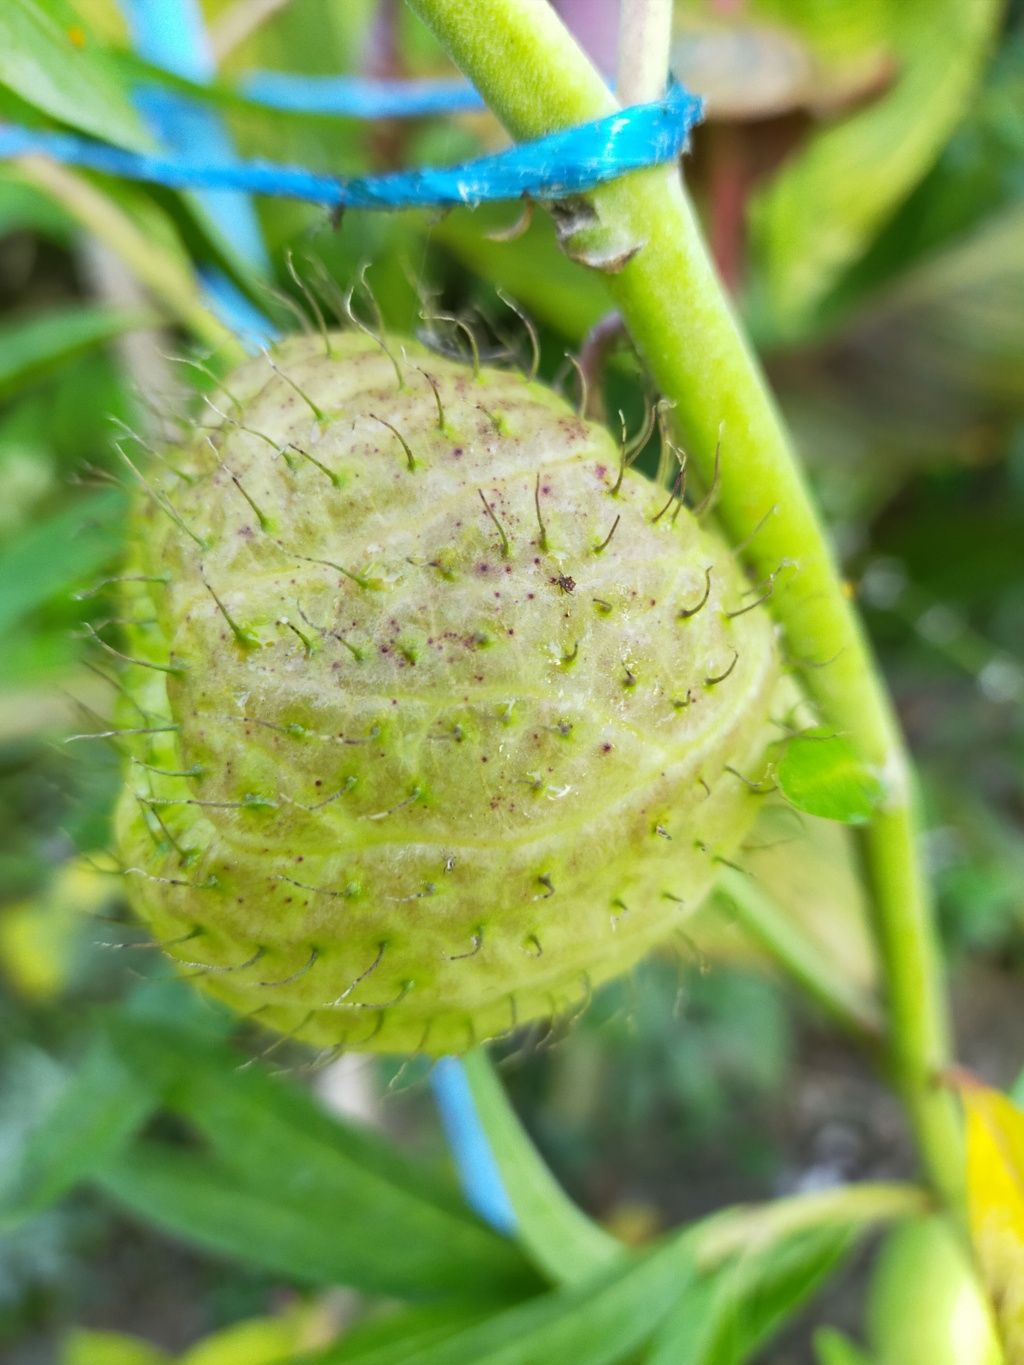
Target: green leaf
x: 411, y: 1329
x: 31, y: 349
x: 58, y: 554
x: 600, y: 1322
x: 344, y: 1206
x: 99, y: 1113
x: 819, y: 214
x: 821, y: 773
x: 835, y: 1348
x: 560, y: 1239
x: 203, y: 1202
x: 725, y: 1317
x: 47, y: 60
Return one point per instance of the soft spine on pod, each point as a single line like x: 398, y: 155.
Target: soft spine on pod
x: 439, y: 718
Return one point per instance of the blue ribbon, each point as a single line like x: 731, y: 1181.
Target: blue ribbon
x: 357, y: 97
x: 476, y: 1163
x: 171, y: 35
x: 566, y: 163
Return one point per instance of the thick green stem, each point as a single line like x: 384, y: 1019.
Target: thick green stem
x: 643, y: 227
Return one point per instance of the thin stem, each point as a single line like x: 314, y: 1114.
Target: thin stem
x: 843, y: 1001
x: 645, y: 32
x: 741, y: 1230
x: 537, y: 80
x: 170, y: 282
x: 560, y: 1239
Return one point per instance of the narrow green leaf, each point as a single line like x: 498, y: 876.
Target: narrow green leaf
x: 560, y: 1239
x: 726, y: 1316
x: 817, y: 216
x: 48, y: 60
x: 821, y: 773
x: 202, y: 1202
x: 765, y: 1297
x: 412, y: 1329
x: 58, y: 554
x: 390, y: 1225
x: 31, y: 349
x: 600, y: 1322
x: 102, y: 1109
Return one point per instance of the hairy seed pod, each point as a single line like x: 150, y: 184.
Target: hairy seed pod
x: 437, y: 720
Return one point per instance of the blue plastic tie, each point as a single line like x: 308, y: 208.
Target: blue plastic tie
x: 555, y: 167
x: 358, y: 97
x: 478, y: 1169
x: 171, y: 34
x: 252, y: 328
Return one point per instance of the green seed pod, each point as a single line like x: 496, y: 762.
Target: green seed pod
x: 442, y: 718
x: 925, y: 1306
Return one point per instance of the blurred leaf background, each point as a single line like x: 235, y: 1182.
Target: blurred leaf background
x: 861, y: 180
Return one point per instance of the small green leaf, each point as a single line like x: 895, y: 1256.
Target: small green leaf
x: 47, y: 59
x: 99, y: 1113
x: 30, y: 350
x: 821, y: 773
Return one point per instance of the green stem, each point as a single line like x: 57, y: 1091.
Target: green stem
x: 559, y: 1238
x: 569, y: 1247
x: 741, y: 1230
x: 773, y: 929
x: 536, y: 79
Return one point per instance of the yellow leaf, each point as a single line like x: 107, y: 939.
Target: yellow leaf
x: 39, y: 938
x: 995, y: 1192
x: 301, y: 1328
x: 82, y: 1347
